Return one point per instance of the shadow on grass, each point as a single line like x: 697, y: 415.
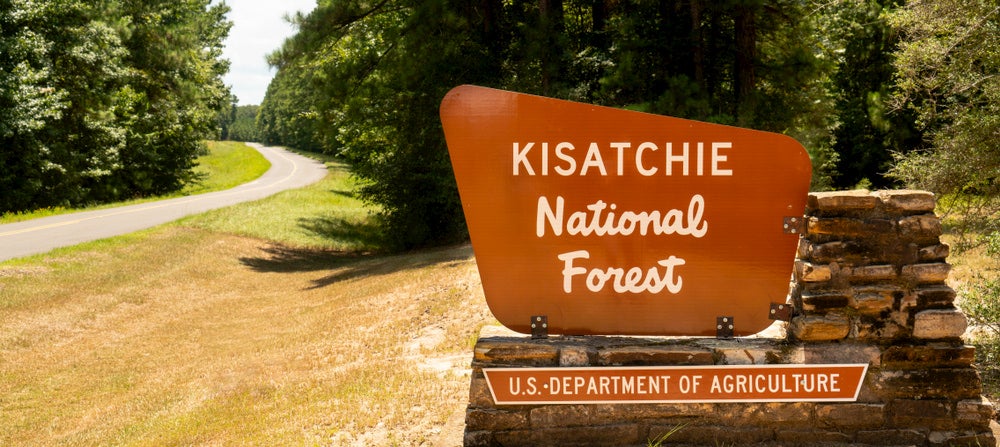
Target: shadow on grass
x: 367, y: 258
x: 359, y: 237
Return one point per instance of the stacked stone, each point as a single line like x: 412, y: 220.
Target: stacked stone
x: 870, y: 278
x: 871, y: 267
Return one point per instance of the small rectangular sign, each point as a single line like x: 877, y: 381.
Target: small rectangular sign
x: 676, y: 384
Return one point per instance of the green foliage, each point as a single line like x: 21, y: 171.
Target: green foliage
x: 981, y: 303
x: 243, y: 124
x: 948, y: 73
x: 867, y: 131
x: 365, y: 79
x: 659, y: 440
x: 105, y: 100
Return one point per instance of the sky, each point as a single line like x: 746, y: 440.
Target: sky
x: 258, y: 29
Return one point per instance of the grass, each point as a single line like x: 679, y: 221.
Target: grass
x: 325, y: 215
x: 226, y: 165
x: 244, y: 326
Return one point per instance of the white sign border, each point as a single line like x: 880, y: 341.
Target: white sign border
x: 857, y: 390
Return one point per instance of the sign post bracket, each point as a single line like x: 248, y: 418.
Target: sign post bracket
x: 539, y: 326
x: 794, y: 225
x: 780, y: 311
x: 724, y: 327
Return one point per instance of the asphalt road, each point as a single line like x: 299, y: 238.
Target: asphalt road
x: 20, y: 239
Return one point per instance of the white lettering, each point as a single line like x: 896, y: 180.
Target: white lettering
x: 602, y: 219
x: 570, y: 167
x: 717, y: 158
x: 593, y: 159
x: 632, y: 280
x: 593, y: 162
x: 521, y: 158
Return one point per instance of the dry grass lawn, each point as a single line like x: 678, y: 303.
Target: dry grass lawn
x: 181, y: 336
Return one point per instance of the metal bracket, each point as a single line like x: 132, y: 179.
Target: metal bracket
x: 781, y: 311
x: 539, y: 326
x: 794, y: 225
x: 724, y: 327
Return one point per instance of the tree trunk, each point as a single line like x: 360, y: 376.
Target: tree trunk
x: 599, y: 17
x: 697, y: 44
x: 551, y: 12
x: 746, y: 58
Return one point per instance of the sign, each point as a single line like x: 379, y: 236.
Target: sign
x: 610, y: 221
x: 676, y: 384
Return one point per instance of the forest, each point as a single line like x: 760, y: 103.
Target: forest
x: 106, y: 100
x: 882, y: 93
x: 112, y: 99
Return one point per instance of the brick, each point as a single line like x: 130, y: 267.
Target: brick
x: 820, y: 328
x: 515, y: 351
x: 974, y: 413
x: 935, y: 296
x: 844, y: 227
x: 936, y: 272
x: 809, y: 272
x: 963, y: 438
x: 910, y: 201
x: 661, y: 355
x: 495, y: 420
x: 479, y: 391
x: 819, y: 302
x: 879, y: 330
x: 575, y: 356
x: 838, y: 202
x: 872, y: 273
x: 925, y: 229
x: 931, y: 355
x: 874, y: 300
x: 611, y: 414
x: 811, y: 437
x: 933, y: 414
x: 851, y: 415
x: 830, y: 252
x: 936, y: 383
x: 745, y: 355
x: 833, y: 353
x: 892, y: 437
x: 615, y: 435
x: 939, y: 323
x: 934, y: 253
x: 717, y: 435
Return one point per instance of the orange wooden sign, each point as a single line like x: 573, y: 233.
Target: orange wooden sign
x: 675, y: 384
x: 610, y: 221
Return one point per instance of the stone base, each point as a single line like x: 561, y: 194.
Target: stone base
x: 914, y: 394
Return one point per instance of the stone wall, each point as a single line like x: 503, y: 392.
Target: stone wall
x: 868, y: 287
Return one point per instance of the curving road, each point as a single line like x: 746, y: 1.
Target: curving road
x: 287, y: 171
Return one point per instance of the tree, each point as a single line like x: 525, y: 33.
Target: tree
x: 948, y: 72
x: 860, y: 43
x: 174, y: 90
x: 106, y: 99
x: 364, y: 79
x: 62, y: 68
x: 244, y: 124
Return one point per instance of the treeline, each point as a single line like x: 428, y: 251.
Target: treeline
x: 106, y: 100
x: 239, y: 123
x: 871, y: 88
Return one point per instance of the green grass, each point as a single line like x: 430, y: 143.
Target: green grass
x: 226, y: 165
x: 324, y: 215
